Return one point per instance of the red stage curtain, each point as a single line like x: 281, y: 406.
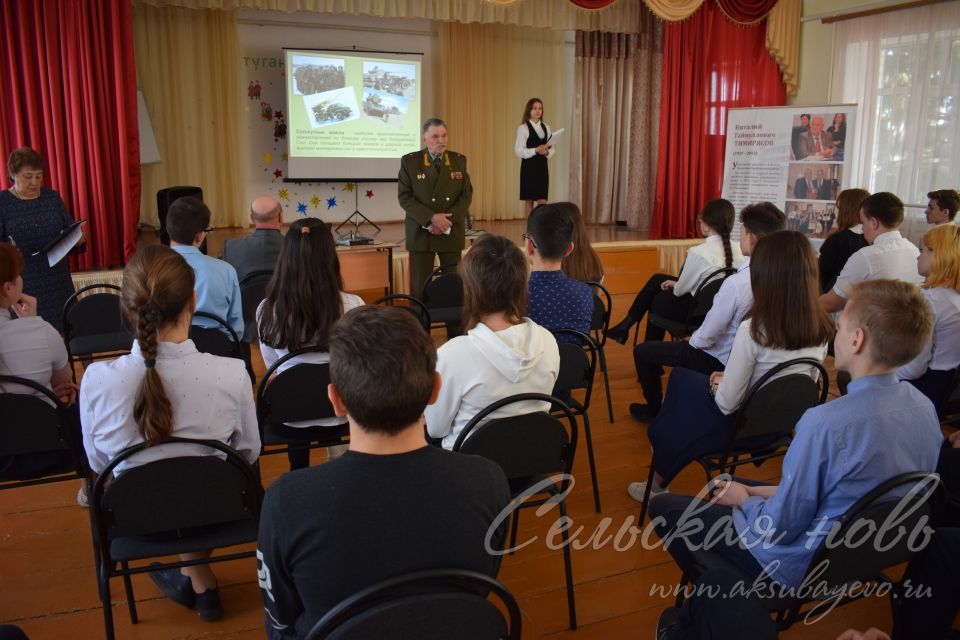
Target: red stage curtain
x: 68, y: 89
x: 592, y: 4
x: 709, y: 65
x: 746, y: 11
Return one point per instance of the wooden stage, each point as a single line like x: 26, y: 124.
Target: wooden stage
x: 629, y: 258
x: 46, y: 559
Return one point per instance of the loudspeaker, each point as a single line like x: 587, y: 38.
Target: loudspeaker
x: 165, y: 198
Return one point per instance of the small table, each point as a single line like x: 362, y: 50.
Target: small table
x: 367, y: 266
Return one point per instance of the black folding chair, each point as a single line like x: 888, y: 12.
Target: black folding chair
x: 439, y: 604
x: 599, y: 324
x: 38, y: 425
x: 443, y: 298
x: 220, y: 341
x: 859, y: 548
x: 578, y: 366
x: 702, y: 302
x: 536, y: 452
x: 253, y: 289
x: 168, y: 507
x: 296, y: 394
x: 765, y: 420
x: 947, y: 399
x: 409, y: 303
x: 94, y: 326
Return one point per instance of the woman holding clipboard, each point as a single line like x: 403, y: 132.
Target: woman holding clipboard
x: 533, y: 147
x: 32, y: 217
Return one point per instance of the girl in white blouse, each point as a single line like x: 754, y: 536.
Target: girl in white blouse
x: 164, y: 388
x: 672, y: 296
x: 31, y: 348
x: 786, y: 322
x: 533, y: 148
x: 933, y: 370
x: 305, y: 298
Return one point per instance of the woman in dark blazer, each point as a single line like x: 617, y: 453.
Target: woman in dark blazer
x: 846, y: 241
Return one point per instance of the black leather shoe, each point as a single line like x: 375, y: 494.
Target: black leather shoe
x: 174, y: 585
x: 620, y: 332
x: 208, y: 605
x: 641, y: 412
x: 668, y: 623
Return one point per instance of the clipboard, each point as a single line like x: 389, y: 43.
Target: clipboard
x: 57, y: 249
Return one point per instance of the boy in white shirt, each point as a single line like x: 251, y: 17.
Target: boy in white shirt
x: 889, y: 255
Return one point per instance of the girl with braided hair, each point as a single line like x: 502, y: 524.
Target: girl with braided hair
x: 164, y: 388
x: 672, y: 296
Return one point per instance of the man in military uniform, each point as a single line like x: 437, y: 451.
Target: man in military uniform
x: 435, y: 192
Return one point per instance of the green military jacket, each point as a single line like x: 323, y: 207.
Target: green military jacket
x: 423, y: 191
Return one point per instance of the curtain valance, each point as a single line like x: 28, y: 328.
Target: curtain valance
x: 615, y: 16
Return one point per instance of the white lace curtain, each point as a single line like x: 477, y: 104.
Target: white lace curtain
x: 903, y: 70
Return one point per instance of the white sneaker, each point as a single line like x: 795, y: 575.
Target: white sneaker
x: 82, y: 499
x: 637, y: 489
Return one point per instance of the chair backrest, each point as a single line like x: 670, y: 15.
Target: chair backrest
x: 253, y: 289
x: 705, y: 293
x: 297, y: 393
x: 578, y: 363
x: 602, y: 310
x: 773, y: 406
x: 174, y: 493
x: 443, y: 289
x: 427, y: 605
x: 949, y: 406
x: 414, y: 305
x: 523, y: 445
x: 880, y: 530
x: 31, y: 423
x: 96, y: 315
x: 213, y: 339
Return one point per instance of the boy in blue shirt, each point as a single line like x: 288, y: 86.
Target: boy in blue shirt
x: 554, y: 301
x: 841, y: 449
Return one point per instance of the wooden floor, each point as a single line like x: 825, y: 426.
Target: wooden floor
x: 49, y: 589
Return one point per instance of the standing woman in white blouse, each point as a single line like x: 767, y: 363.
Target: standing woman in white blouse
x: 533, y: 149
x: 165, y: 388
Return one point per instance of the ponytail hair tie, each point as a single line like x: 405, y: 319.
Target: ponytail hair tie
x: 305, y: 230
x: 149, y: 363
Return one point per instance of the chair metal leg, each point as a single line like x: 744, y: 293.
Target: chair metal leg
x: 103, y: 584
x: 514, y: 525
x: 128, y: 588
x: 606, y: 382
x: 568, y: 570
x: 681, y: 592
x: 593, y: 465
x: 646, y: 497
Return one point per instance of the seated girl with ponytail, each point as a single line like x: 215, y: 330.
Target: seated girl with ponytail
x: 164, y: 388
x: 672, y: 296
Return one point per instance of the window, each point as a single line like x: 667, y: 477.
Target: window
x: 902, y: 69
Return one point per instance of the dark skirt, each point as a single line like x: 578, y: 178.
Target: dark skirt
x: 936, y: 385
x: 689, y: 424
x: 534, y: 178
